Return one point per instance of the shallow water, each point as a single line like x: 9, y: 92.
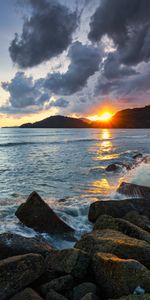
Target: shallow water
x: 67, y: 168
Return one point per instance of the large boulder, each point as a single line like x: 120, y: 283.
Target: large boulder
x: 35, y: 213
x: 134, y: 190
x: 108, y: 222
x: 47, y: 276
x: 53, y: 295
x: 137, y: 219
x: 118, y: 208
x: 83, y: 289
x: 18, y: 272
x: 27, y: 294
x: 118, y: 277
x: 90, y: 296
x: 111, y: 241
x: 61, y: 284
x: 70, y: 261
x: 12, y: 244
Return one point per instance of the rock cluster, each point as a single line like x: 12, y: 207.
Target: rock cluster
x: 111, y: 262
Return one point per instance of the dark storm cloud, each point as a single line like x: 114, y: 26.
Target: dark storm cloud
x: 113, y: 69
x: 127, y: 22
x: 61, y: 103
x: 128, y: 88
x: 28, y: 95
x: 47, y: 33
x: 84, y: 63
x: 24, y: 91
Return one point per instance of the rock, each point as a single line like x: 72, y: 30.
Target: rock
x: 70, y: 261
x: 146, y: 159
x: 118, y: 166
x: 52, y: 295
x: 90, y: 296
x: 35, y: 213
x: 82, y: 289
x: 61, y: 284
x: 139, y: 220
x: 134, y: 190
x: 108, y: 222
x: 47, y: 276
x: 118, y: 209
x: 135, y: 297
x: 111, y: 241
x: 137, y: 156
x: 118, y: 277
x: 18, y: 272
x: 112, y: 168
x: 27, y: 294
x: 12, y: 244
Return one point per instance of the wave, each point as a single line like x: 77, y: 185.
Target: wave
x: 11, y: 144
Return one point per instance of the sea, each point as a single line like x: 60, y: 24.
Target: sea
x: 67, y: 167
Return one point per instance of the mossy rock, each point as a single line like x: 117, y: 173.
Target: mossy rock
x: 70, y: 261
x: 111, y: 241
x: 119, y: 277
x: 108, y: 222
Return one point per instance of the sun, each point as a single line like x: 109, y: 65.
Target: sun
x: 104, y: 117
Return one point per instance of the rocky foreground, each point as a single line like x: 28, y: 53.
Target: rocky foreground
x: 111, y: 262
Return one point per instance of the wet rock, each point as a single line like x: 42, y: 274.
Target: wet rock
x: 52, y: 295
x: 135, y: 297
x: 18, y: 272
x: 12, y: 244
x: 118, y: 208
x: 137, y: 156
x: 134, y: 190
x: 27, y: 294
x: 70, y: 261
x: 146, y: 159
x: 83, y: 289
x: 139, y: 220
x: 111, y: 241
x: 47, y: 276
x: 90, y: 296
x: 108, y: 222
x: 118, y: 166
x: 61, y: 284
x: 118, y: 277
x: 113, y: 168
x: 35, y: 213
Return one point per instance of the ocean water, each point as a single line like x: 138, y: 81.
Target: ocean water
x: 67, y: 168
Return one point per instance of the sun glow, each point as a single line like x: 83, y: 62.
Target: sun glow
x: 105, y: 117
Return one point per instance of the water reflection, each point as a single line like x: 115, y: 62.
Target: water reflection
x: 105, y: 147
x: 105, y: 151
x: 105, y: 134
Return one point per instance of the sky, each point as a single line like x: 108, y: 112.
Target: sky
x: 70, y: 57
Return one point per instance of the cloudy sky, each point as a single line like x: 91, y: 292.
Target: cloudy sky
x: 72, y: 57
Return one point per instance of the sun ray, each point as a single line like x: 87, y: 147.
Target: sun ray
x: 104, y: 117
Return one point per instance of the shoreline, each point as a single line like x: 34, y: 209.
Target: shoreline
x: 101, y: 264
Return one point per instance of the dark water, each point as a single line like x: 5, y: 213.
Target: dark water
x: 66, y: 163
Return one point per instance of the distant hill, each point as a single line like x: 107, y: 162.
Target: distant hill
x: 57, y: 122
x: 132, y: 118
x: 128, y: 118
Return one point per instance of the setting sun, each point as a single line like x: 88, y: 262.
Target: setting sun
x: 105, y: 117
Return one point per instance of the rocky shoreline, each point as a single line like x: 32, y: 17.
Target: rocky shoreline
x: 110, y: 262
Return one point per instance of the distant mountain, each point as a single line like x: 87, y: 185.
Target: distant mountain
x: 128, y: 118
x: 132, y: 118
x: 57, y: 122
